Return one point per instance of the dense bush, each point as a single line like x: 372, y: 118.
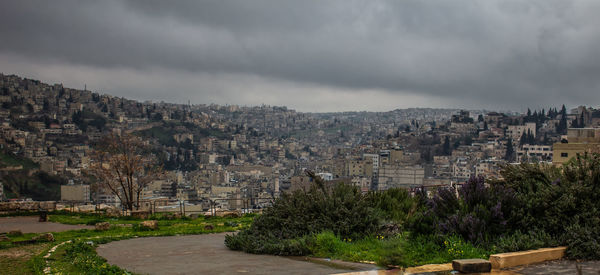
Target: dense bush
x: 394, y: 205
x: 519, y: 241
x: 477, y: 213
x: 341, y: 209
x: 564, y: 203
x: 537, y: 190
x: 583, y: 242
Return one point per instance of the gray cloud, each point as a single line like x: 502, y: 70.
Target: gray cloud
x: 490, y: 54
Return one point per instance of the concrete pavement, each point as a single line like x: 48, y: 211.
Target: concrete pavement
x: 200, y: 254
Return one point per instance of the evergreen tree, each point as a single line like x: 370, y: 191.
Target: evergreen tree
x: 510, y: 150
x: 562, y: 125
x: 575, y: 124
x: 530, y: 137
x: 446, y: 149
x: 523, y: 139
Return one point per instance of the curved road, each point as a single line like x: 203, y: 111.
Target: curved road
x: 200, y: 254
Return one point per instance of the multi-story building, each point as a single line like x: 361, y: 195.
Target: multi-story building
x: 534, y: 152
x: 578, y: 141
x: 516, y: 131
x: 75, y: 193
x: 395, y: 176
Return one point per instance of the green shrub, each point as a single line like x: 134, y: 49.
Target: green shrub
x: 341, y: 209
x: 138, y: 227
x: 392, y: 256
x: 519, y: 241
x: 477, y: 214
x: 429, y: 249
x: 326, y: 244
x: 265, y: 244
x: 395, y: 205
x: 583, y: 242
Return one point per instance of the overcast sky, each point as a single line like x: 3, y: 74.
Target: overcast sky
x: 313, y: 55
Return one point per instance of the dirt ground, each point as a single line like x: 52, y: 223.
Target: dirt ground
x: 14, y: 260
x: 32, y: 225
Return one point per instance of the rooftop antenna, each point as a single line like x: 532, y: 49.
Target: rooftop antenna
x: 85, y: 87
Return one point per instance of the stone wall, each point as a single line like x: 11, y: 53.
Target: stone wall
x: 27, y: 205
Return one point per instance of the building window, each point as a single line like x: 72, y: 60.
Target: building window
x: 564, y: 155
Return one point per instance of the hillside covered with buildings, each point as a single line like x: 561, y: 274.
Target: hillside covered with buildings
x: 241, y: 157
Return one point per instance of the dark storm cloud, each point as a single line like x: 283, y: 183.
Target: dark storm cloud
x: 508, y: 54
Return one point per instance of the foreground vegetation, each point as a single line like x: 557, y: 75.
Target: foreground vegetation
x: 79, y: 256
x: 532, y: 206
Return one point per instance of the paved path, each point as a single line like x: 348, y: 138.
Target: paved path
x: 200, y: 254
x: 32, y: 225
x: 560, y: 267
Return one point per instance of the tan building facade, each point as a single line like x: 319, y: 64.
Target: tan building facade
x: 75, y: 193
x: 579, y: 141
x: 393, y: 176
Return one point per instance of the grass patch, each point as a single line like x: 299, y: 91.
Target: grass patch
x: 80, y: 257
x: 16, y: 260
x: 400, y: 250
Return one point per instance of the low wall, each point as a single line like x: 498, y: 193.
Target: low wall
x: 27, y: 206
x: 504, y: 260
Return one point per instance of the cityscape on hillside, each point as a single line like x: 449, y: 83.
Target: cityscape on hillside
x: 288, y: 137
x: 226, y: 154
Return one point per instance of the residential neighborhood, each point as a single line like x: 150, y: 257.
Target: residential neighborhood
x: 241, y: 157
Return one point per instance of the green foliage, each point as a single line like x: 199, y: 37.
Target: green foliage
x: 532, y: 206
x: 327, y: 245
x: 519, y: 241
x: 536, y: 191
x: 583, y: 242
x: 400, y: 250
x: 477, y: 214
x: 392, y: 256
x: 267, y: 244
x: 39, y: 186
x: 342, y: 209
x: 430, y: 249
x: 86, y: 118
x: 231, y: 223
x: 7, y: 159
x: 163, y: 134
x: 137, y: 227
x: 565, y: 203
x: 395, y: 205
x: 80, y: 257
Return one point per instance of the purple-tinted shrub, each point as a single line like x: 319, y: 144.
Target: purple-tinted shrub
x: 477, y: 214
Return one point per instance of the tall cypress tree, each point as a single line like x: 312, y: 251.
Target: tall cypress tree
x: 510, y: 150
x: 562, y: 125
x: 523, y: 139
x: 447, y: 150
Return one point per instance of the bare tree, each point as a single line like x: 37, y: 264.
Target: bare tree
x: 124, y: 165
